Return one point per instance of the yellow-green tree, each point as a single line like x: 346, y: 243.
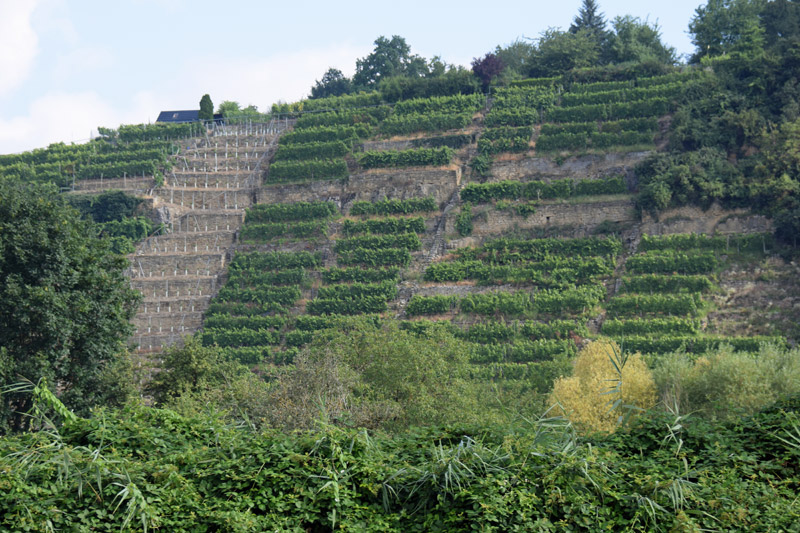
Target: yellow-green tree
x: 601, y: 387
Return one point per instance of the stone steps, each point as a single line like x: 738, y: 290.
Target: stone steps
x: 179, y: 272
x: 160, y: 265
x: 208, y: 180
x: 212, y: 241
x: 206, y: 199
x: 167, y: 322
x: 208, y: 221
x: 174, y: 305
x: 165, y: 287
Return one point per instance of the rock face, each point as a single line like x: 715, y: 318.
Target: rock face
x: 368, y: 186
x: 577, y: 167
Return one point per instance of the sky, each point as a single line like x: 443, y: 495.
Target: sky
x: 69, y: 66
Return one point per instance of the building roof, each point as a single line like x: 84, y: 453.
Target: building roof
x: 179, y: 116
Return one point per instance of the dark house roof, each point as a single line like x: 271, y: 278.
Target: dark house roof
x: 179, y: 116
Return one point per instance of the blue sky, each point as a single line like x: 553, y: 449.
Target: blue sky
x: 69, y: 66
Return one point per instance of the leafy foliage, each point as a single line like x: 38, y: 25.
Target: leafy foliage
x: 66, y: 304
x: 604, y: 383
x: 394, y: 206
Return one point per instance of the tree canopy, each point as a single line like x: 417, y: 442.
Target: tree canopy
x: 65, y: 304
x: 333, y: 83
x: 206, y: 108
x: 391, y: 57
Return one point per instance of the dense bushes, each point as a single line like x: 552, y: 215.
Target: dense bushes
x: 405, y: 124
x: 290, y: 212
x: 406, y: 158
x: 459, y: 103
x: 657, y: 304
x: 394, y: 206
x: 429, y: 305
x: 384, y: 225
x: 256, y: 233
x: 349, y: 306
x: 405, y: 241
x: 570, y: 300
x: 311, y: 150
x: 363, y: 275
x: 666, y: 262
x: 667, y: 283
x: 375, y: 257
x: 274, y: 261
x: 561, y: 188
x: 346, y: 134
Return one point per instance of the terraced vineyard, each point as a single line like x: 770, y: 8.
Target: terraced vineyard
x: 403, y: 211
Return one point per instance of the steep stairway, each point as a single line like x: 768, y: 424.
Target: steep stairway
x: 202, y: 203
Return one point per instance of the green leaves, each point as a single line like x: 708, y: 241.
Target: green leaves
x: 394, y: 206
x: 67, y: 304
x: 406, y: 158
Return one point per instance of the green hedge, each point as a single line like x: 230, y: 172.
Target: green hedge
x: 512, y: 117
x: 405, y: 241
x: 649, y: 326
x: 347, y: 134
x: 667, y: 283
x: 298, y: 211
x: 385, y: 289
x: 656, y: 304
x: 219, y: 321
x: 430, y: 305
x: 343, y: 118
x: 394, y: 207
x: 345, y: 101
x: 533, y: 98
x: 553, y: 272
x: 313, y: 169
x: 757, y: 242
x: 349, y: 306
x: 384, y: 225
x: 406, y: 124
x: 252, y: 278
x: 665, y: 262
x: 259, y: 261
x: 524, y: 351
x: 284, y: 296
x: 504, y: 250
x: 415, y: 157
x: 361, y: 275
x: 240, y: 337
x: 695, y: 345
x: 516, y: 145
x: 459, y: 103
x: 585, y: 113
x: 338, y: 322
x: 260, y: 233
x: 455, y: 141
x: 375, y: 258
x: 311, y: 150
x: 562, y: 188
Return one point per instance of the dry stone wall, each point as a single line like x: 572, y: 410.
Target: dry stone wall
x: 577, y: 167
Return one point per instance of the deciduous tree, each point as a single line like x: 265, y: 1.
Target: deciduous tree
x: 65, y: 304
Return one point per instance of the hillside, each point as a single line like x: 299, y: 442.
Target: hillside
x: 398, y: 222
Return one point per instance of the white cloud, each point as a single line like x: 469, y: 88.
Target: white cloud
x: 64, y: 117
x: 18, y: 43
x: 60, y: 116
x: 261, y: 81
x: 80, y: 61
